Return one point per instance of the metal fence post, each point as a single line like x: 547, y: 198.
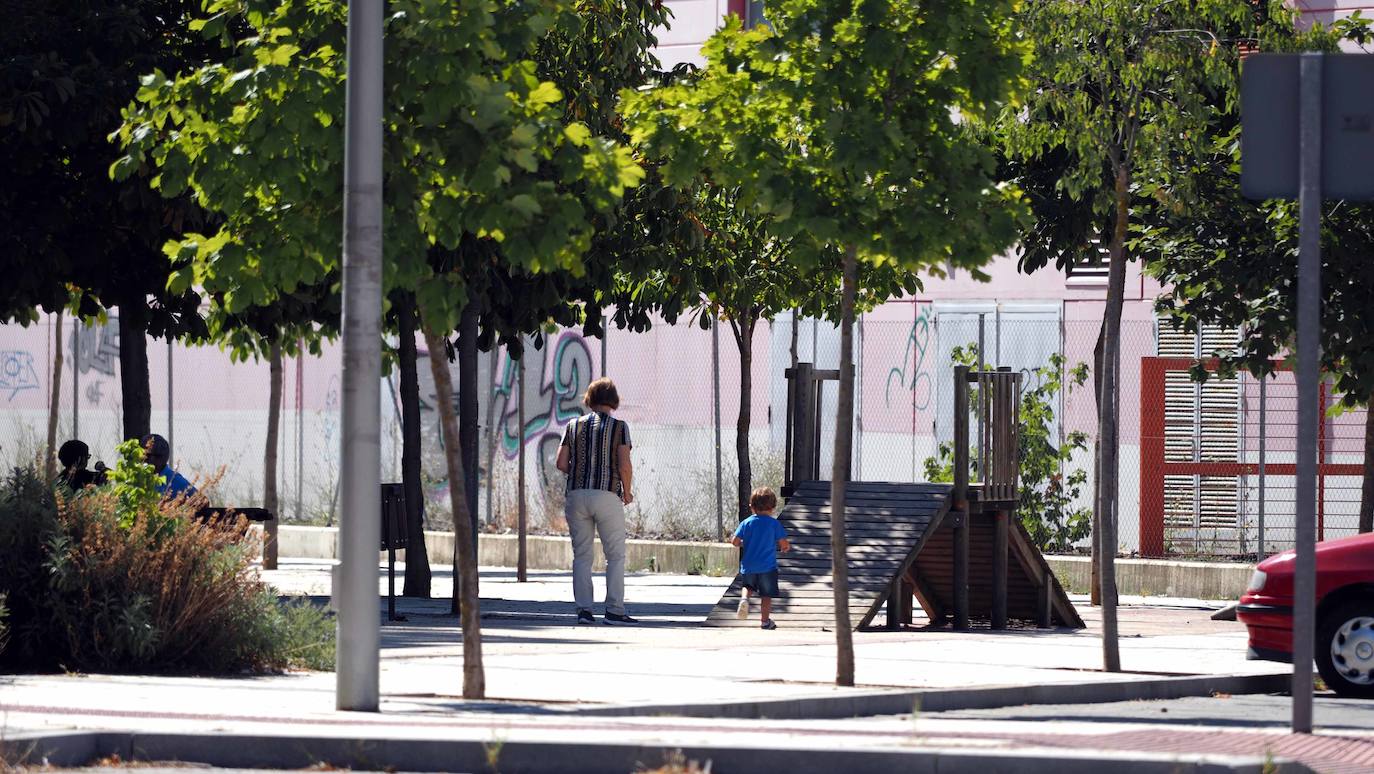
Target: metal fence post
x: 171, y: 437
x: 77, y: 325
x: 522, y: 526
x: 1259, y: 537
x: 715, y: 397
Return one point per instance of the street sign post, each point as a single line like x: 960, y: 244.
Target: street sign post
x: 1322, y: 105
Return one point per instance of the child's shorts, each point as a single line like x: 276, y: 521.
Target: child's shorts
x: 765, y: 584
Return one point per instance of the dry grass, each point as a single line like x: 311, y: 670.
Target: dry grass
x: 161, y: 592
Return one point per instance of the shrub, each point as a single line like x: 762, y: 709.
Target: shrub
x: 115, y: 579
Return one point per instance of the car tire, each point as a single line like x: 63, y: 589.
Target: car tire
x: 1345, y: 649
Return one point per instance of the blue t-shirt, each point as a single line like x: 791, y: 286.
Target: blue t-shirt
x: 173, y: 484
x: 760, y: 535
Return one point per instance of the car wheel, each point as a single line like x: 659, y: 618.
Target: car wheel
x: 1345, y: 649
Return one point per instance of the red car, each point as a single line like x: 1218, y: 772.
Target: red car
x: 1345, y: 613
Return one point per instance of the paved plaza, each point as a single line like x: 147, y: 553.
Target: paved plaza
x: 551, y: 682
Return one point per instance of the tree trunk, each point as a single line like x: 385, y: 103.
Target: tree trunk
x: 465, y: 573
x: 1107, y: 433
x: 744, y: 338
x: 469, y: 414
x: 1095, y: 569
x: 793, y: 351
x: 839, y: 475
x: 50, y: 459
x: 269, y: 463
x: 1367, y: 490
x: 418, y: 577
x: 135, y: 393
x: 467, y: 435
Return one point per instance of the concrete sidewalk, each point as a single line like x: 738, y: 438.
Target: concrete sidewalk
x: 546, y: 677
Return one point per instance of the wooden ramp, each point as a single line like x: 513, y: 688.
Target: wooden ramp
x: 1030, y: 599
x: 896, y: 532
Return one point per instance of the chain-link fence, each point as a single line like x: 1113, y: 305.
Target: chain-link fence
x: 680, y: 390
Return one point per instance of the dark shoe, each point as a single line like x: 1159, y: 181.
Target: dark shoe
x: 616, y: 619
x: 585, y: 617
x: 769, y: 625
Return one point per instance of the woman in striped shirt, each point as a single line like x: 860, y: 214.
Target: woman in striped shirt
x: 595, y: 455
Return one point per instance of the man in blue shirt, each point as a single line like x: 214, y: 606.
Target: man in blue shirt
x: 762, y: 537
x: 158, y: 452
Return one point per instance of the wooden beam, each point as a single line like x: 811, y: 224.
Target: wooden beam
x: 999, y: 570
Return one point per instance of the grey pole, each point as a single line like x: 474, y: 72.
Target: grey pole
x: 982, y: 366
x: 1259, y: 537
x: 76, y: 375
x: 1309, y: 357
x: 605, y: 332
x: 300, y: 427
x: 1197, y: 440
x: 715, y: 396
x: 171, y: 438
x: 355, y: 586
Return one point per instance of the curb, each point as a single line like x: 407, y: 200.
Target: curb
x: 427, y: 754
x: 852, y: 705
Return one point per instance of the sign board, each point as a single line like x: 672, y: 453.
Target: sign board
x: 1269, y: 126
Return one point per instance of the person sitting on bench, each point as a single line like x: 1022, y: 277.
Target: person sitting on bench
x: 158, y: 452
x: 74, y: 455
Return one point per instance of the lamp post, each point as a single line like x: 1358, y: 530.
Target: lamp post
x: 355, y: 581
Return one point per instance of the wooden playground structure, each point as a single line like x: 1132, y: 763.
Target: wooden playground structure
x: 956, y: 549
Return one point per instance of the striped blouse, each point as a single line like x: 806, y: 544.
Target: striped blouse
x: 593, y: 442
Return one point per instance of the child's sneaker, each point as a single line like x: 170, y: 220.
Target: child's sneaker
x: 769, y: 625
x: 742, y: 612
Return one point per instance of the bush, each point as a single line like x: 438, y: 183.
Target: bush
x: 114, y: 579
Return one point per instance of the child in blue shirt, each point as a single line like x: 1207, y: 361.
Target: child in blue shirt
x: 762, y: 538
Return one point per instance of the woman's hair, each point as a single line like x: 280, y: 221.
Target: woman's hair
x: 602, y: 393
x: 763, y: 500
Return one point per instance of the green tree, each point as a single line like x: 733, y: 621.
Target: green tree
x: 847, y: 124
x: 745, y: 275
x: 1118, y: 85
x: 302, y: 319
x: 1046, y: 495
x: 476, y: 146
x: 69, y: 234
x: 1232, y: 262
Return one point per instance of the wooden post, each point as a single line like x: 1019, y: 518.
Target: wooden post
x: 999, y: 570
x: 1043, y: 605
x: 803, y: 420
x: 894, y: 603
x: 960, y: 506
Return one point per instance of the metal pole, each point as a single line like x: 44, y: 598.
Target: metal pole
x: 1259, y: 537
x: 171, y: 437
x: 715, y: 398
x: 858, y: 465
x: 1309, y: 357
x: 605, y: 333
x: 1197, y: 440
x: 76, y: 376
x: 915, y: 320
x: 982, y: 366
x: 355, y: 587
x: 300, y: 427
x: 521, y: 508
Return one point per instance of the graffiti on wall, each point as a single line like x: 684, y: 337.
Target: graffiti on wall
x: 16, y: 372
x: 914, y: 374
x: 96, y: 347
x: 553, y: 396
